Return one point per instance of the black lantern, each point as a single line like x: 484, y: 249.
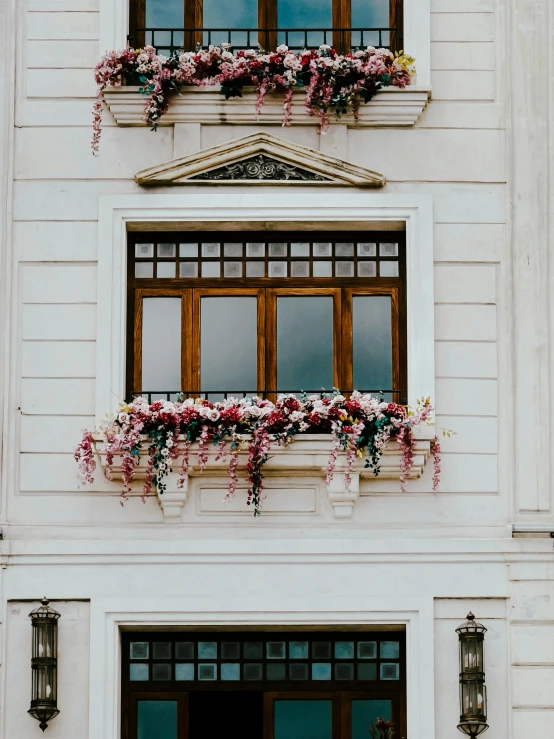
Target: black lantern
x: 473, y: 692
x: 44, y: 664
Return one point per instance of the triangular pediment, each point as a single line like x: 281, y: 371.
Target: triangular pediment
x: 261, y: 159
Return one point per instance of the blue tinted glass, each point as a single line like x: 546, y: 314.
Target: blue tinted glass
x: 298, y: 650
x: 370, y: 13
x: 321, y: 671
x: 157, y: 719
x: 344, y: 650
x: 367, y: 650
x: 372, y: 342
x: 207, y: 672
x: 365, y: 713
x: 184, y: 672
x: 304, y: 719
x: 307, y: 14
x: 138, y: 672
x: 230, y: 671
x: 367, y: 671
x: 276, y: 671
x: 139, y: 650
x: 304, y: 343
x: 207, y: 650
x: 390, y: 650
x: 389, y: 671
x: 164, y: 14
x: 229, y: 16
x: 276, y: 650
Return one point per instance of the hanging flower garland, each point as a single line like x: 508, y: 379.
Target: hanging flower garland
x: 332, y: 81
x: 166, y: 430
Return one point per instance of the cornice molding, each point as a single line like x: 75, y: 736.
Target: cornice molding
x: 242, y: 161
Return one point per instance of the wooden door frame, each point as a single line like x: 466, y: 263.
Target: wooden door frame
x: 269, y: 708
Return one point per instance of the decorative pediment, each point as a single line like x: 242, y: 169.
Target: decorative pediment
x: 260, y: 158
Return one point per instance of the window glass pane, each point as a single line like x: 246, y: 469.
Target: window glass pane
x: 161, y: 671
x: 321, y: 671
x: 164, y: 14
x: 370, y: 13
x: 228, y: 343
x: 157, y: 719
x: 304, y: 343
x: 184, y: 671
x: 390, y: 650
x: 161, y: 344
x: 389, y: 671
x: 307, y: 14
x: 276, y: 671
x: 230, y: 671
x: 372, y: 342
x: 227, y: 15
x: 161, y: 650
x: 344, y: 650
x: 139, y: 650
x: 303, y: 719
x: 138, y: 672
x: 207, y: 650
x: 365, y: 713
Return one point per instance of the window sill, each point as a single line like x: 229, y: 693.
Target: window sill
x: 307, y: 457
x: 389, y: 107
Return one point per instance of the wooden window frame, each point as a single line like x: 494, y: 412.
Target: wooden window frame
x: 266, y: 290
x: 267, y: 19
x: 129, y: 727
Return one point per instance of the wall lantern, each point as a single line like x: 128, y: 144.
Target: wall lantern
x: 473, y: 692
x: 44, y: 664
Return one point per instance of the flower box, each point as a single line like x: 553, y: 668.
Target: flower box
x: 390, y: 107
x: 307, y: 455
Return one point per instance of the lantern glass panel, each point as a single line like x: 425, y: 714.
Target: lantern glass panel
x: 473, y: 700
x: 45, y: 683
x: 471, y: 652
x: 44, y: 639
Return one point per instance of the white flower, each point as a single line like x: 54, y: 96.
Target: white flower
x: 225, y: 46
x: 282, y: 49
x: 212, y: 414
x: 324, y: 47
x: 296, y: 416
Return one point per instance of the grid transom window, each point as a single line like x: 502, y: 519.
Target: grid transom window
x: 272, y: 659
x: 221, y: 314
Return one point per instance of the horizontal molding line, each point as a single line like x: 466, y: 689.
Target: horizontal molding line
x: 466, y: 341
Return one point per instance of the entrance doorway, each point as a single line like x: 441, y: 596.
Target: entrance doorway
x: 269, y: 685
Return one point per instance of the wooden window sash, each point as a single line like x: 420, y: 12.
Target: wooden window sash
x: 186, y: 302
x: 395, y: 698
x: 196, y: 297
x: 271, y: 328
x: 347, y: 333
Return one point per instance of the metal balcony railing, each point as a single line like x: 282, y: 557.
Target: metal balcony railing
x: 219, y: 395
x: 171, y: 40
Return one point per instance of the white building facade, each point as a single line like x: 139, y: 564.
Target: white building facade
x: 191, y: 603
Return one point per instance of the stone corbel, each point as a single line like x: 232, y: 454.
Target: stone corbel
x: 173, y: 500
x: 343, y: 498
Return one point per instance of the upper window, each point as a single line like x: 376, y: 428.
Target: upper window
x: 257, y: 312
x: 171, y: 25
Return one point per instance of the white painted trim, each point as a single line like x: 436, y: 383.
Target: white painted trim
x: 225, y: 204
x: 109, y: 615
x: 114, y: 25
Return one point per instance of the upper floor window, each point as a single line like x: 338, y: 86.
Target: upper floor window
x: 171, y: 25
x: 257, y: 312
